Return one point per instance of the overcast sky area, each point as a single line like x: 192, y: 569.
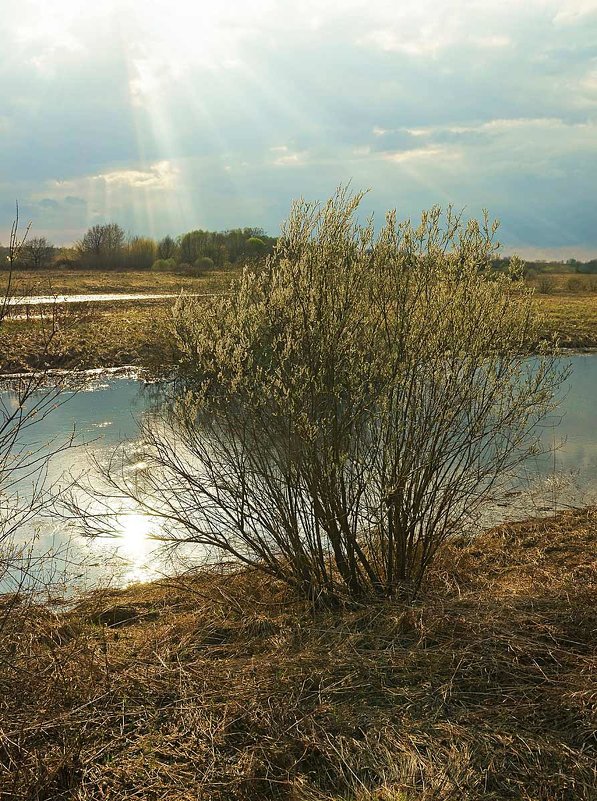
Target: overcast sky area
x: 166, y: 115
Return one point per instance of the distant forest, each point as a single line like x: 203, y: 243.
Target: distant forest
x: 107, y: 247
x: 532, y: 268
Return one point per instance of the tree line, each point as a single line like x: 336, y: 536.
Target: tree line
x: 107, y: 247
x: 539, y: 267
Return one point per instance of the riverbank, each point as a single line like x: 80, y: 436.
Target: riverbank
x: 136, y: 332
x: 227, y: 688
x: 94, y: 335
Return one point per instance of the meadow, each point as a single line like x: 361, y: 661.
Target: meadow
x: 136, y: 332
x: 91, y: 335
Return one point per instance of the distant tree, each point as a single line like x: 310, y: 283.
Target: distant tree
x: 223, y: 247
x: 167, y: 248
x: 37, y: 253
x: 256, y: 246
x: 193, y: 245
x: 102, y: 246
x: 141, y: 253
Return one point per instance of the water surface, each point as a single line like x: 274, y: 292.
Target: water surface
x: 106, y: 411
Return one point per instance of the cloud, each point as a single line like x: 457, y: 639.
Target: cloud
x: 422, y: 154
x: 284, y: 157
x: 575, y: 11
x: 165, y: 116
x: 162, y: 175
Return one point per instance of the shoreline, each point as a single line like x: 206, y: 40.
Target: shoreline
x: 133, y: 370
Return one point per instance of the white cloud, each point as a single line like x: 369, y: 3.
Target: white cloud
x: 491, y: 41
x: 423, y: 44
x: 161, y: 175
x: 290, y: 159
x: 572, y: 11
x: 422, y: 154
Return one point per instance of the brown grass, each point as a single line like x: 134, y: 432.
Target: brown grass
x: 135, y: 333
x: 224, y: 687
x: 83, y: 282
x: 572, y: 318
x: 90, y: 336
x: 102, y: 334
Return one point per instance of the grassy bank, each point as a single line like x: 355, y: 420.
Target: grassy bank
x: 92, y: 335
x: 572, y: 317
x: 72, y: 282
x: 226, y: 688
x: 111, y: 335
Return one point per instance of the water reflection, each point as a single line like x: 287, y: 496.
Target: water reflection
x: 105, y: 412
x: 136, y: 533
x: 102, y: 413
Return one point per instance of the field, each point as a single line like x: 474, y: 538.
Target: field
x: 92, y: 335
x: 70, y: 282
x: 127, y: 332
x: 223, y: 687
x: 571, y: 317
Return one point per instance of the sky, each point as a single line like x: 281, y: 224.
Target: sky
x: 170, y: 115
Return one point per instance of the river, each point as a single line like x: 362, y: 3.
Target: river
x: 106, y: 409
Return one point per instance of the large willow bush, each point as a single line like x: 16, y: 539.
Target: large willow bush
x: 351, y: 405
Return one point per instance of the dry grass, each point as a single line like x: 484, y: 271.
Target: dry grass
x: 135, y: 333
x: 564, y: 283
x: 70, y: 282
x: 90, y: 336
x: 570, y: 317
x: 102, y: 334
x: 225, y: 688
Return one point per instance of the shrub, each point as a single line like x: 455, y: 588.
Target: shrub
x: 575, y: 284
x: 351, y: 406
x: 546, y: 285
x: 163, y: 265
x: 204, y: 264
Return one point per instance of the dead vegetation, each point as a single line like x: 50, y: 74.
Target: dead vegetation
x: 224, y: 687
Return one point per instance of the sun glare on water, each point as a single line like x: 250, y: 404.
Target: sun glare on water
x: 135, y: 545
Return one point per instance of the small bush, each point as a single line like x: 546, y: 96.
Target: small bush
x: 204, y: 263
x: 546, y: 285
x: 575, y: 285
x: 163, y: 265
x: 200, y: 266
